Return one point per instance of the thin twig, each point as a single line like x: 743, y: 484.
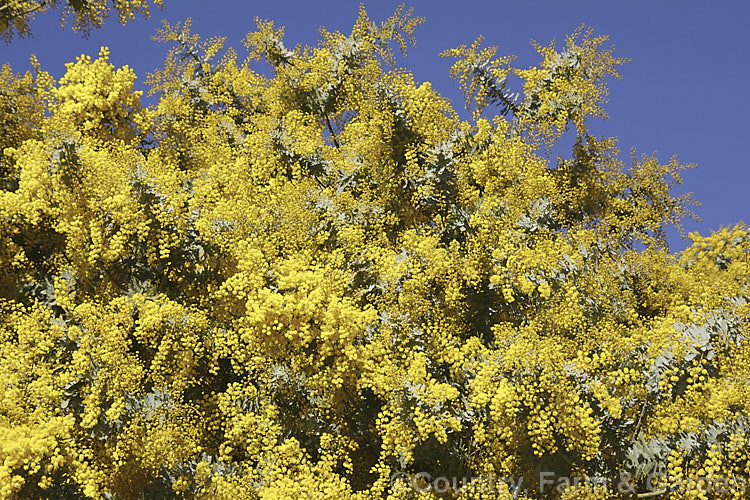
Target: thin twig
x: 650, y: 494
x: 330, y: 131
x: 640, y: 420
x: 30, y: 11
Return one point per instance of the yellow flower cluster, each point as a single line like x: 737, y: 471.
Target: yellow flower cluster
x: 97, y: 98
x: 569, y: 86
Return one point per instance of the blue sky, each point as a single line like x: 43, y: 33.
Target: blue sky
x: 685, y: 91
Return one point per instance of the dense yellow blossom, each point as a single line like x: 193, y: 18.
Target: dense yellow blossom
x: 323, y: 283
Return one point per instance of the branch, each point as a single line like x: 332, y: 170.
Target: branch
x: 640, y: 420
x: 649, y: 494
x: 22, y: 14
x: 330, y: 131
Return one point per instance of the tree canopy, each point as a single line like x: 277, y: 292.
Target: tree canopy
x: 321, y: 282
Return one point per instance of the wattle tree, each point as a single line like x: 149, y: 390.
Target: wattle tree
x: 321, y: 282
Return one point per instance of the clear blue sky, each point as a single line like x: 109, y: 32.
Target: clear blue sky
x: 685, y: 91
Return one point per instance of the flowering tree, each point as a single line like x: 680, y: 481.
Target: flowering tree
x: 318, y: 283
